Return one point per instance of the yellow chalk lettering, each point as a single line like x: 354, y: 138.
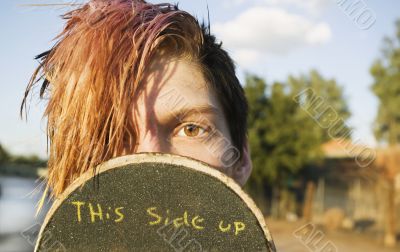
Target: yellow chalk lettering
x: 167, y: 219
x: 93, y: 214
x: 118, y: 212
x: 178, y: 222
x: 239, y: 226
x: 185, y: 218
x: 152, y: 214
x: 195, y: 221
x: 78, y: 205
x: 224, y: 229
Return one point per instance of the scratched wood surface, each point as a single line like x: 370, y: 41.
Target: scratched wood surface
x: 154, y: 202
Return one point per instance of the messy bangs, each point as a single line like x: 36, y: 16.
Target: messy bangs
x: 91, y: 74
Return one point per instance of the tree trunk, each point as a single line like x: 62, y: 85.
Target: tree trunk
x: 308, y: 201
x: 390, y: 227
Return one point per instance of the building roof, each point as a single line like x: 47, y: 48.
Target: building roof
x: 344, y: 148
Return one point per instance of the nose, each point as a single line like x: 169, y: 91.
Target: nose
x: 150, y: 143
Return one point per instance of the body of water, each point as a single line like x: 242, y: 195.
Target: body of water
x: 18, y: 224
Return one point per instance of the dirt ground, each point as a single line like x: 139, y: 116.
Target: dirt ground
x: 301, y: 237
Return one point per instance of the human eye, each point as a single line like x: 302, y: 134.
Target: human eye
x: 192, y: 130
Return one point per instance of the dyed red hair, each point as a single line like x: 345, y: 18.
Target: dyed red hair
x: 96, y: 67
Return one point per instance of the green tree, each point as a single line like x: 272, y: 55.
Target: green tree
x: 285, y: 134
x: 386, y: 86
x: 4, y: 155
x: 287, y: 126
x: 324, y: 101
x: 255, y: 91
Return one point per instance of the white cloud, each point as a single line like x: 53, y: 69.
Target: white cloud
x: 246, y: 57
x: 319, y: 34
x: 312, y: 6
x: 269, y: 30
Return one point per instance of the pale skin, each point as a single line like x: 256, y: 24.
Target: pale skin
x: 176, y: 112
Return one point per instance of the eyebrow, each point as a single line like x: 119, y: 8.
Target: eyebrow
x: 195, y: 110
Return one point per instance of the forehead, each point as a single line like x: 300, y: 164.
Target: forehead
x: 170, y: 85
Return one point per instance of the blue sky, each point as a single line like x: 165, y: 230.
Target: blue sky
x: 272, y: 38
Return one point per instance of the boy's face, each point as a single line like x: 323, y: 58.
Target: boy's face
x: 177, y: 112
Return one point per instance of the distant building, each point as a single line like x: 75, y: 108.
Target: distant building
x: 351, y: 179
